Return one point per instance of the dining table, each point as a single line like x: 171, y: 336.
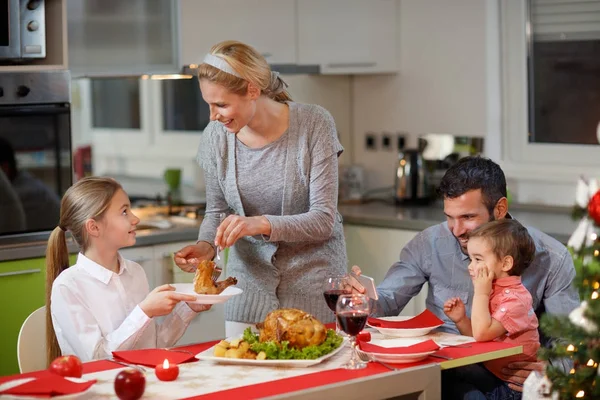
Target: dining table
x: 205, y: 379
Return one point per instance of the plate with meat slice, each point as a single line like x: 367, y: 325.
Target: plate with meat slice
x: 207, y: 290
x: 226, y: 294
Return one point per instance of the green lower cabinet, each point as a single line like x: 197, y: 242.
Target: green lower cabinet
x: 22, y: 291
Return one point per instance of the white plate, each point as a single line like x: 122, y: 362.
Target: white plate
x: 188, y: 288
x: 17, y: 382
x: 208, y: 355
x: 399, y: 342
x: 401, y: 358
x: 394, y: 332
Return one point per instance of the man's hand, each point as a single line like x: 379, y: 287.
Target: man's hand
x: 455, y: 309
x: 482, y: 282
x: 356, y: 286
x: 515, y: 373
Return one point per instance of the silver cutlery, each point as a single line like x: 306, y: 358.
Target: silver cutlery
x: 218, y: 270
x: 442, y: 357
x: 138, y: 367
x: 366, y: 357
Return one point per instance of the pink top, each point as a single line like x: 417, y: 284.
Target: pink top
x: 511, y: 305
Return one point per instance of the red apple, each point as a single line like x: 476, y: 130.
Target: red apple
x: 67, y: 366
x: 130, y: 384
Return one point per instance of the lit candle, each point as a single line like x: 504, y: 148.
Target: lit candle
x: 166, y: 371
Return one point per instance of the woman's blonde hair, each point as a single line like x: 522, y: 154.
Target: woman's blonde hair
x: 87, y: 199
x: 250, y: 65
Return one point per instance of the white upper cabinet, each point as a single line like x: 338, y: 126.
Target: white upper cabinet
x: 348, y: 36
x: 267, y: 25
x: 114, y: 37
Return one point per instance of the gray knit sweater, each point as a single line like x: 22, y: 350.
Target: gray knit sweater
x: 289, y: 268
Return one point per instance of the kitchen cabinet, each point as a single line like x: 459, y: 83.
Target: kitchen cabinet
x: 122, y: 37
x: 22, y: 291
x: 348, y: 36
x: 267, y: 25
x: 374, y: 250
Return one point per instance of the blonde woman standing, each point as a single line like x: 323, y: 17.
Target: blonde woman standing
x: 272, y: 166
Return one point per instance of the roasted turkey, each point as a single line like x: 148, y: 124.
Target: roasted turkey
x: 203, y: 283
x: 299, y: 328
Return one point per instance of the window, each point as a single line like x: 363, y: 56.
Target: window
x: 564, y: 71
x: 116, y: 103
x: 183, y: 108
x: 547, y: 96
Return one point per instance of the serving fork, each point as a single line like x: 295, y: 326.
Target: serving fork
x: 217, y: 271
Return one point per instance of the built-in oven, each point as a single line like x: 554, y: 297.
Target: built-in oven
x: 22, y: 30
x: 35, y: 150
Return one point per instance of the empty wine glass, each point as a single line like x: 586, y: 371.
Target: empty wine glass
x: 352, y: 311
x: 332, y: 289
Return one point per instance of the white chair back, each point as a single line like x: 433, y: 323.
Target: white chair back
x: 31, y: 345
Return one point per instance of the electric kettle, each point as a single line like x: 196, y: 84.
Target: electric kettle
x: 411, y: 181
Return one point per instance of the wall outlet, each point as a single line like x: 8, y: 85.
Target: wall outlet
x: 370, y: 141
x: 400, y: 142
x: 386, y: 141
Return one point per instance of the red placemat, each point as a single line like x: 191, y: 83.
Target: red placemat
x: 153, y: 357
x: 426, y: 319
x: 422, y: 347
x: 48, y: 386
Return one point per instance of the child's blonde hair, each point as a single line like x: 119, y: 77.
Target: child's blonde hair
x: 250, y: 65
x: 507, y: 237
x: 87, y: 199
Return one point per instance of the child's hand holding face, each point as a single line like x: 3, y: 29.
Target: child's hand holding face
x: 455, y: 309
x: 482, y: 281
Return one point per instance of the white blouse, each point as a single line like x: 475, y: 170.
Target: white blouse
x: 95, y: 311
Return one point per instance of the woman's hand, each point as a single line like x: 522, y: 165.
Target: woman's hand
x: 189, y: 257
x: 455, y: 309
x: 235, y: 227
x: 162, y: 300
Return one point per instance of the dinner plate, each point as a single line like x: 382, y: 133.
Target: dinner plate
x: 208, y: 355
x: 188, y: 288
x: 75, y: 396
x: 399, y: 342
x: 400, y: 358
x: 395, y: 332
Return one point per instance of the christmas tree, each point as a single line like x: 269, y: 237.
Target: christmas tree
x: 580, y: 330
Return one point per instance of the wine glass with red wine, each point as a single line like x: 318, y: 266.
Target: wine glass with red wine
x: 352, y: 311
x: 333, y: 288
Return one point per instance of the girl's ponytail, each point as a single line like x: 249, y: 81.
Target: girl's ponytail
x: 57, y: 260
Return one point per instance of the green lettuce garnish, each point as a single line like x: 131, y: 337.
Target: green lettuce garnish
x: 275, y: 351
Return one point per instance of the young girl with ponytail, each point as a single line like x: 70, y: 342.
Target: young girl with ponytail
x: 103, y: 302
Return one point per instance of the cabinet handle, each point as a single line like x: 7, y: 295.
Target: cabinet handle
x: 266, y: 55
x: 24, y: 272
x: 352, y: 65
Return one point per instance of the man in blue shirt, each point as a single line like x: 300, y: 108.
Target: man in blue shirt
x: 474, y: 192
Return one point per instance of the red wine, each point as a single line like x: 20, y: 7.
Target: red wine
x: 352, y: 322
x: 331, y: 297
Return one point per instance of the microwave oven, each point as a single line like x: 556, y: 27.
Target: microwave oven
x: 22, y: 30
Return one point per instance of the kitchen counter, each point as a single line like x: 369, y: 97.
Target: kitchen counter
x: 555, y: 221
x: 552, y: 220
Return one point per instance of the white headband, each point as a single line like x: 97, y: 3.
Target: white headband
x: 220, y: 63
